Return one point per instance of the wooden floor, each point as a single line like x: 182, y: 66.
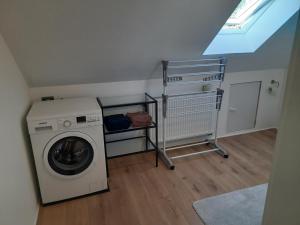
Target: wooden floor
x: 144, y: 195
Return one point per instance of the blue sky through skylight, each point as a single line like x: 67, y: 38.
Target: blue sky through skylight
x: 251, y: 24
x: 245, y: 15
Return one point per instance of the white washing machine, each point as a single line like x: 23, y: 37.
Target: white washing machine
x: 68, y: 148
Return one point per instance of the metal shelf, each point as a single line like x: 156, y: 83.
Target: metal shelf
x: 130, y: 129
x: 128, y: 101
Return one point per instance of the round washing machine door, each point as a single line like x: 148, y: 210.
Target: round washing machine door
x: 70, y: 154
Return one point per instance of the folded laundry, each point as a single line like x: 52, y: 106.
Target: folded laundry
x: 116, y: 122
x: 139, y: 119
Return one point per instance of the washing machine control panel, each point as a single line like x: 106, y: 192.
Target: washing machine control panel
x: 64, y: 123
x: 67, y: 123
x: 78, y: 121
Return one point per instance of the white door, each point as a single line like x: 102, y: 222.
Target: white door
x: 243, y: 103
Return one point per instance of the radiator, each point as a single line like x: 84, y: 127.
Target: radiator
x: 187, y: 116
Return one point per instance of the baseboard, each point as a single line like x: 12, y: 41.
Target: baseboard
x: 77, y: 197
x: 245, y: 132
x: 37, y: 214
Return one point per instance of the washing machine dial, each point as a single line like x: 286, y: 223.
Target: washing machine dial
x: 67, y: 123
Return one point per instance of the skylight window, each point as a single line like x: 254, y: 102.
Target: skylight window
x: 247, y: 12
x: 251, y: 24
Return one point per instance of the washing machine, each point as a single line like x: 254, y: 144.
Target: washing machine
x: 68, y: 148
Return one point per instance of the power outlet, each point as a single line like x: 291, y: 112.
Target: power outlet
x: 47, y: 98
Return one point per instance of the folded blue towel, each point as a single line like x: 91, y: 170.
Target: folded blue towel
x: 116, y: 122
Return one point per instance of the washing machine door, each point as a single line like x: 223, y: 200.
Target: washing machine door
x: 69, y: 154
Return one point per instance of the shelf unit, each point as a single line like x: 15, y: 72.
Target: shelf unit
x: 146, y: 101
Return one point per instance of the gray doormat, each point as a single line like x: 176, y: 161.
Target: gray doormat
x: 242, y: 207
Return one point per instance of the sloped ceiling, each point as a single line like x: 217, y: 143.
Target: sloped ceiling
x: 58, y: 42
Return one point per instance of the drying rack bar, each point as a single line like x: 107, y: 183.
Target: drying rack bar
x: 195, y: 60
x: 195, y: 65
x: 193, y: 82
x: 169, y: 163
x: 190, y: 136
x: 195, y: 153
x: 186, y: 146
x: 193, y: 94
x: 195, y: 74
x: 186, y: 94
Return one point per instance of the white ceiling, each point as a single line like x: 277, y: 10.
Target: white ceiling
x: 83, y: 41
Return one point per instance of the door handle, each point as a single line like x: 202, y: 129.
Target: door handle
x: 231, y: 109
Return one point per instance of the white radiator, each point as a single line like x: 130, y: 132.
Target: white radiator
x: 188, y: 116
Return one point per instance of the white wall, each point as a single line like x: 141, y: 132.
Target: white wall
x: 283, y: 198
x: 268, y: 112
x: 97, y: 89
x: 18, y: 202
x: 269, y: 107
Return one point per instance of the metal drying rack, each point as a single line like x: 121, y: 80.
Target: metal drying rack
x: 203, y: 105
